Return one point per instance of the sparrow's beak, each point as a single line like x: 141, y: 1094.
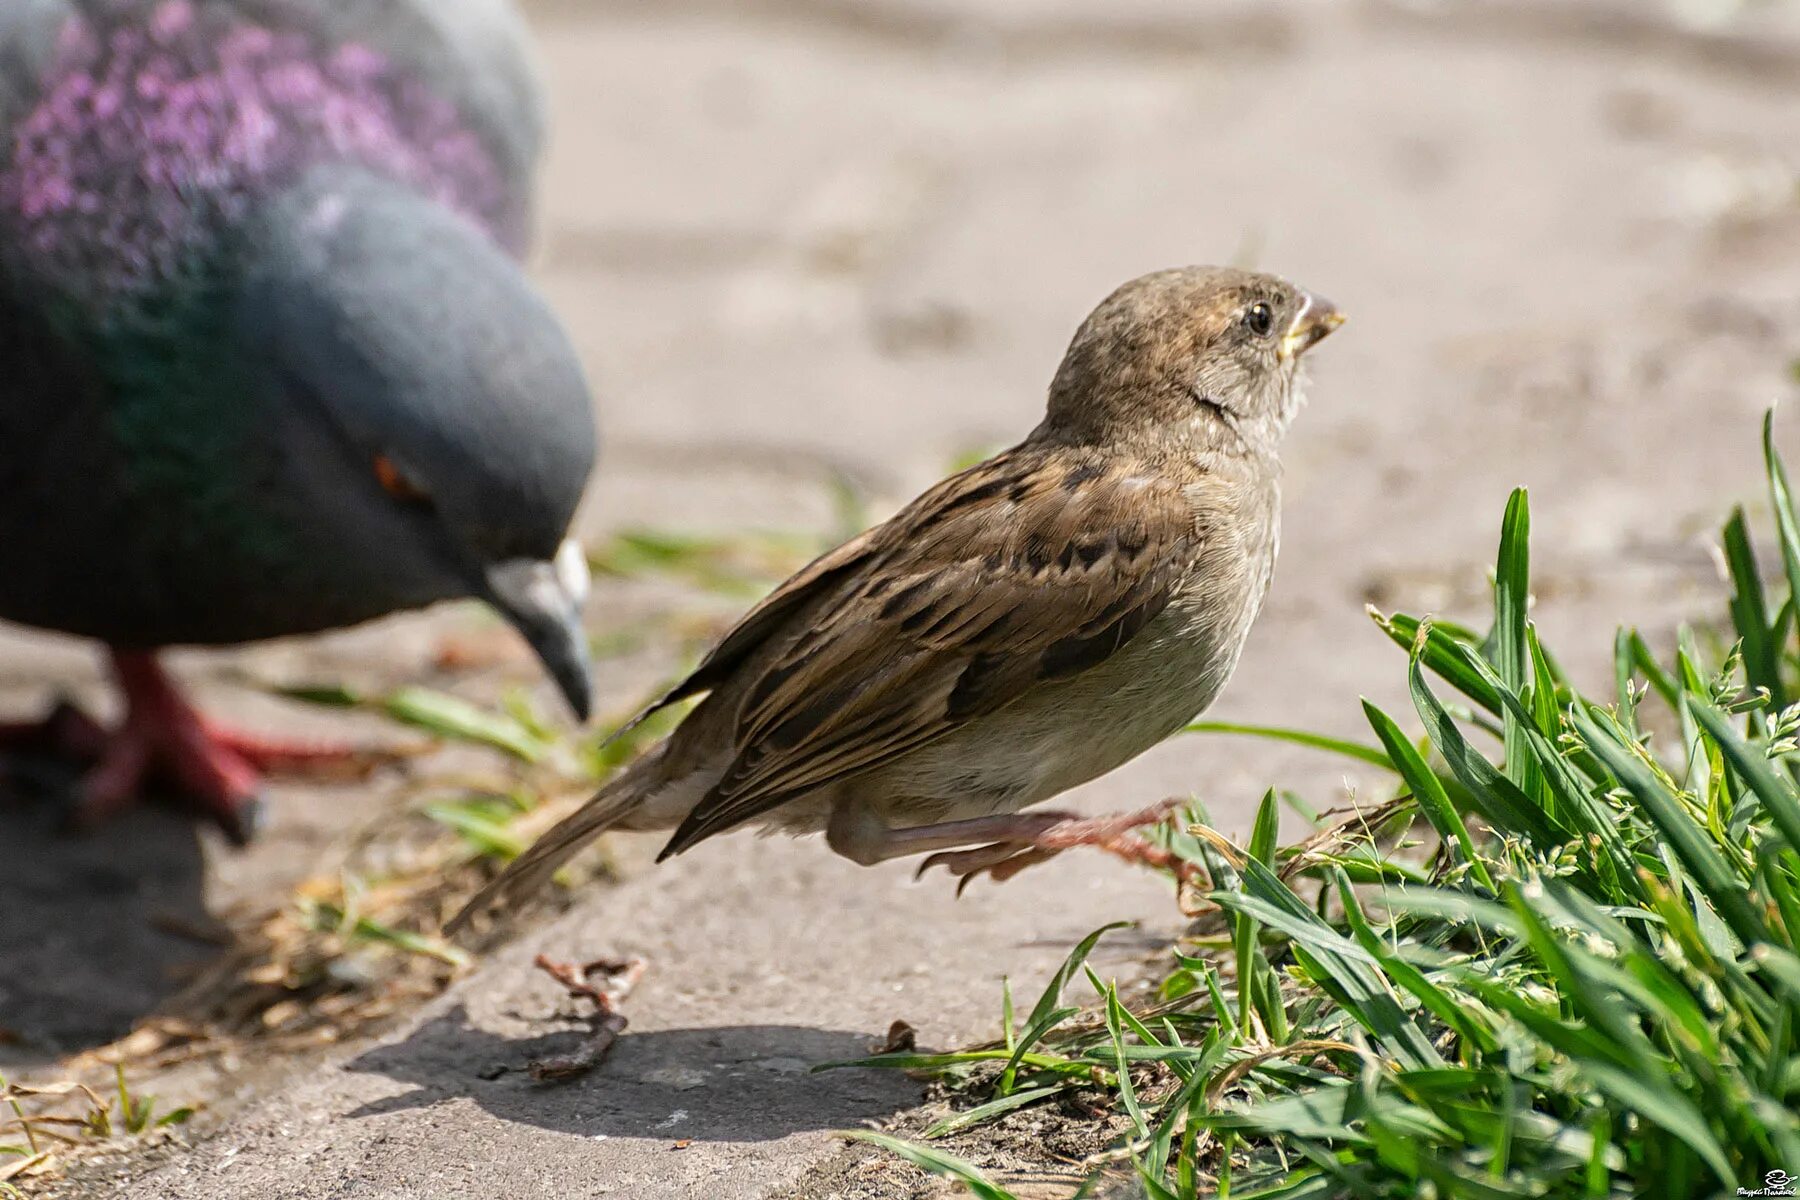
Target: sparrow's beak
x: 1312, y: 324
x: 543, y: 600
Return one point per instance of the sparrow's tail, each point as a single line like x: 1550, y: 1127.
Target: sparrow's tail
x: 563, y: 841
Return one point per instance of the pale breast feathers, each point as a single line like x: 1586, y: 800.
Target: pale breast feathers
x: 1013, y: 574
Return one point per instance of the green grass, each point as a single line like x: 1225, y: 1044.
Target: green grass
x: 1562, y: 961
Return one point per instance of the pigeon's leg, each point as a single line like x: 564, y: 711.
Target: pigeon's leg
x: 217, y: 770
x: 164, y: 736
x: 165, y: 739
x: 1002, y: 846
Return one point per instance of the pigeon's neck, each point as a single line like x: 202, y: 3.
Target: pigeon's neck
x: 160, y: 128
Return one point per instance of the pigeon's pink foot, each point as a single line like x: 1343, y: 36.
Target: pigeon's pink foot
x: 163, y: 740
x: 292, y: 756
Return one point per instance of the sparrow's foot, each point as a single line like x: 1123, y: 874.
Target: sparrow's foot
x: 1035, y: 841
x: 1000, y: 862
x: 163, y: 740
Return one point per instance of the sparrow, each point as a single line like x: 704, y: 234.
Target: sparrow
x: 1022, y: 627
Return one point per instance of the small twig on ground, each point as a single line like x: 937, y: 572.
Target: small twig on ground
x: 619, y: 978
x: 584, y: 1058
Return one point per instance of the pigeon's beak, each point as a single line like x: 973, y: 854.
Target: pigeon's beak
x: 544, y: 600
x: 1312, y: 324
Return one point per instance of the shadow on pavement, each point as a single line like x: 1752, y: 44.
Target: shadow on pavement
x: 95, y: 930
x: 741, y: 1083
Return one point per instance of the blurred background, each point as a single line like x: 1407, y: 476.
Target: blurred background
x: 817, y: 252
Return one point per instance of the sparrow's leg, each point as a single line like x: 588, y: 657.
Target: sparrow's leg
x: 858, y: 833
x: 1003, y: 845
x: 163, y: 738
x: 1115, y: 834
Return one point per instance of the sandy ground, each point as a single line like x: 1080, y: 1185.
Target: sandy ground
x: 804, y: 237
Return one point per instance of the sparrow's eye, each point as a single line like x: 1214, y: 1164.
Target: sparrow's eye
x: 1259, y: 319
x: 395, y: 483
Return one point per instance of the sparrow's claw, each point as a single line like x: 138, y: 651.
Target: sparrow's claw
x: 1039, y: 841
x: 1001, y: 861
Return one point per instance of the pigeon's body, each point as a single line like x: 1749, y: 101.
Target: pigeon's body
x: 271, y: 367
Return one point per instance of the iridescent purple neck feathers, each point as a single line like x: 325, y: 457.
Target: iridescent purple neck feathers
x: 161, y: 126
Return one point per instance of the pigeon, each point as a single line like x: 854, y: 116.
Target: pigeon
x: 272, y: 364
x: 1021, y: 628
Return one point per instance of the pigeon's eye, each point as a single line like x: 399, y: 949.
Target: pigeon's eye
x: 1259, y: 319
x: 394, y: 482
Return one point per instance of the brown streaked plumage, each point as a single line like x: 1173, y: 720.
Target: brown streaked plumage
x: 1020, y: 628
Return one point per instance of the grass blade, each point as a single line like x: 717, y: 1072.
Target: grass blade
x: 1781, y: 498
x: 1776, y: 794
x: 1749, y: 611
x: 1689, y: 840
x: 1429, y: 791
x: 458, y: 720
x: 1436, y: 649
x: 1342, y: 967
x: 1496, y: 797
x: 982, y: 1113
x: 1046, y: 1013
x: 1298, y: 737
x: 1511, y: 657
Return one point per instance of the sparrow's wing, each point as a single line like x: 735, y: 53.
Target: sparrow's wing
x: 1007, y: 576
x: 778, y: 608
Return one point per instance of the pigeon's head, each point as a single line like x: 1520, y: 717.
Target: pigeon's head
x: 439, y: 426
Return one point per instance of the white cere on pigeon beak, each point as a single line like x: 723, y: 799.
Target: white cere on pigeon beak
x: 553, y: 588
x: 573, y: 573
